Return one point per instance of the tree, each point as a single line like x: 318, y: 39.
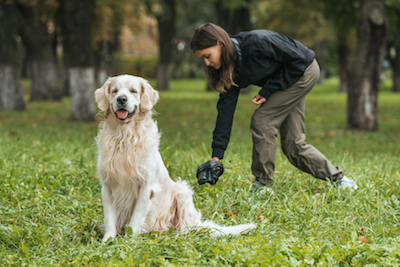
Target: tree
x: 190, y: 15
x: 10, y: 86
x: 233, y: 16
x: 342, y: 14
x: 393, y: 41
x: 38, y: 42
x: 362, y: 103
x: 166, y: 22
x: 77, y: 17
x: 111, y: 16
x: 166, y: 14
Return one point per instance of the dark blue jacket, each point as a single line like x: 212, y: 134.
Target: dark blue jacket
x: 264, y: 58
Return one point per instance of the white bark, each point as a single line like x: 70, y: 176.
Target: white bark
x: 10, y: 88
x: 101, y: 77
x: 81, y: 80
x: 44, y: 81
x: 163, y: 76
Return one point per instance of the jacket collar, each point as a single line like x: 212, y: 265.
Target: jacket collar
x: 238, y: 50
x: 238, y: 60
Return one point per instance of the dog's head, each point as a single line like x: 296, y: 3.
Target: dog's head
x: 126, y: 96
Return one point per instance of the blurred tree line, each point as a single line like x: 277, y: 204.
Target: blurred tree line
x: 351, y: 39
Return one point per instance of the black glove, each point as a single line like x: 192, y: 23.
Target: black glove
x: 209, y: 172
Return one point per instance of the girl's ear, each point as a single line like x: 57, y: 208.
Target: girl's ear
x: 102, y: 94
x: 148, y: 96
x: 220, y: 43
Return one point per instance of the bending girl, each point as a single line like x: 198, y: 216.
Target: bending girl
x: 286, y: 71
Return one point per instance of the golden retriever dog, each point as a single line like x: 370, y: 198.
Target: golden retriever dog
x: 136, y: 187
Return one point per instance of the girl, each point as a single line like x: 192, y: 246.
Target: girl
x: 286, y: 71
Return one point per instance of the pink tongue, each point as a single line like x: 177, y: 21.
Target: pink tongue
x: 122, y: 114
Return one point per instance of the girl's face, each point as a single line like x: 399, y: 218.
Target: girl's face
x: 211, y: 55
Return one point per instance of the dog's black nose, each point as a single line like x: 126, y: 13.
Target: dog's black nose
x: 122, y: 99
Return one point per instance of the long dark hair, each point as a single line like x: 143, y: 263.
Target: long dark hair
x: 207, y: 35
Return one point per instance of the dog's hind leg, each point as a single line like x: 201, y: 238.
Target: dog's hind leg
x: 110, y: 217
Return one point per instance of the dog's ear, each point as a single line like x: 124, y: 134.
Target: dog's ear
x: 148, y: 96
x: 102, y: 94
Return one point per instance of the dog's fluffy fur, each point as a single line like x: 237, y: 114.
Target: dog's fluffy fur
x: 136, y: 187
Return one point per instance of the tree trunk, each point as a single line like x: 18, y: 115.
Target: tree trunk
x: 41, y: 64
x: 362, y: 105
x: 76, y: 24
x: 103, y: 63
x: 10, y: 86
x: 234, y: 21
x: 100, y: 70
x: 163, y: 76
x: 82, y: 104
x: 167, y: 29
x: 65, y: 86
x: 395, y: 59
x: 343, y: 54
x: 396, y: 71
x: 44, y: 80
x: 320, y: 51
x: 65, y: 55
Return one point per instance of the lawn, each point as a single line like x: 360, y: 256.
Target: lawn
x: 50, y: 203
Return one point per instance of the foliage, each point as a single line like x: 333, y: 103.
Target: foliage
x: 111, y: 15
x: 302, y: 20
x: 145, y: 66
x: 393, y: 14
x: 343, y: 13
x: 50, y: 202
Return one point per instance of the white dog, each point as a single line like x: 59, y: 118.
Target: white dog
x: 136, y: 187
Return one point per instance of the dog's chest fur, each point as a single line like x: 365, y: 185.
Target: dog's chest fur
x: 124, y: 147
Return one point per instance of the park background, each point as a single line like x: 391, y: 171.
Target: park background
x: 53, y: 54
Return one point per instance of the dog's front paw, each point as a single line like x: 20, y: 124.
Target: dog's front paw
x: 135, y: 229
x: 107, y: 235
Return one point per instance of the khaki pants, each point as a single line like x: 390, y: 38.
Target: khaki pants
x: 284, y: 111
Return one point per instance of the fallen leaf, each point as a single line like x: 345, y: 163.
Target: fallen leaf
x: 362, y: 239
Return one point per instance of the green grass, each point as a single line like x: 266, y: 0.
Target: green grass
x: 50, y: 202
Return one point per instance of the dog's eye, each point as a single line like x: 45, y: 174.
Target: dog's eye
x: 114, y: 91
x: 133, y: 91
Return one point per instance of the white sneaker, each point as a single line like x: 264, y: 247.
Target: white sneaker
x: 346, y: 182
x: 259, y: 187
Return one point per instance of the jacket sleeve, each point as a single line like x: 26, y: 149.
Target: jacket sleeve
x: 293, y: 57
x: 226, y: 108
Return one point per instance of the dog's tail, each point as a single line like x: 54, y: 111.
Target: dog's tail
x: 218, y: 230
x: 185, y: 215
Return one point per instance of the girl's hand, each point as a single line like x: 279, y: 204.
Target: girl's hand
x: 258, y: 100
